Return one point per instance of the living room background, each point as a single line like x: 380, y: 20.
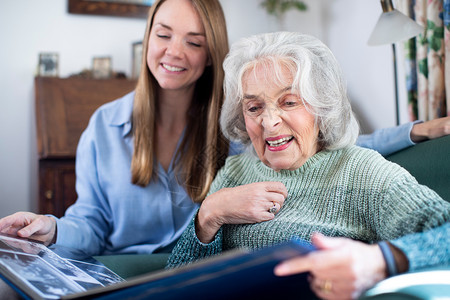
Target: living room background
x: 30, y: 27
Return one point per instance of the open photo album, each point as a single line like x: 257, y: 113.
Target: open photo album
x: 38, y: 272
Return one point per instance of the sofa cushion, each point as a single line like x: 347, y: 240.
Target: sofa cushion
x: 132, y: 265
x: 429, y: 163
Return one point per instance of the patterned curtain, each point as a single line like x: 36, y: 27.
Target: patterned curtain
x: 426, y: 66
x: 446, y: 16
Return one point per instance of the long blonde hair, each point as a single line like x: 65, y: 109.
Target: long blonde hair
x: 203, y: 149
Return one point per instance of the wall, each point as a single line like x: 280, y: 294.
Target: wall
x: 369, y: 70
x: 28, y: 27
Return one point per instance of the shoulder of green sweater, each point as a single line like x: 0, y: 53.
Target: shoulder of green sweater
x: 369, y: 162
x: 365, y: 156
x: 358, y: 152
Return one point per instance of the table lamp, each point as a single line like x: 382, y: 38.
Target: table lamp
x: 393, y: 26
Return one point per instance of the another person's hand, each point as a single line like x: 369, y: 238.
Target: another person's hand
x: 430, y: 129
x: 246, y: 204
x: 342, y: 269
x: 29, y: 225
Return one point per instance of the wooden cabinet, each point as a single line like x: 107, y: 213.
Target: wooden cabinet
x: 63, y: 109
x: 56, y: 185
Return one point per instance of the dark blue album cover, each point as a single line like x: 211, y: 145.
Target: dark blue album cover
x: 234, y: 275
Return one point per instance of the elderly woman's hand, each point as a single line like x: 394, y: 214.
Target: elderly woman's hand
x: 29, y: 225
x: 246, y: 204
x: 342, y: 269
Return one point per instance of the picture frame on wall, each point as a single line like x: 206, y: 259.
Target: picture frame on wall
x: 136, y: 59
x: 101, y: 67
x: 48, y: 64
x: 118, y: 8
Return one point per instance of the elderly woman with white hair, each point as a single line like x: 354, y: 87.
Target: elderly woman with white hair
x: 286, y: 100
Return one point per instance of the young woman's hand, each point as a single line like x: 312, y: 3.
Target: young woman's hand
x: 430, y: 129
x: 30, y: 225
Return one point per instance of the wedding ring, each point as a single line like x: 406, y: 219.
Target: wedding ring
x: 273, y: 209
x: 327, y: 286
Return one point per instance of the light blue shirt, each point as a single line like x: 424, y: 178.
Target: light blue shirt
x: 388, y: 140
x: 111, y: 215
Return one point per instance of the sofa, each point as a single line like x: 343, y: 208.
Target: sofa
x: 429, y: 162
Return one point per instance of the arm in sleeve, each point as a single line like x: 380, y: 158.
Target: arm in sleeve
x: 388, y: 140
x: 86, y: 223
x: 408, y: 207
x: 189, y: 248
x: 426, y: 249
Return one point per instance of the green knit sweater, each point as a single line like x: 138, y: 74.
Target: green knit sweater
x: 352, y: 192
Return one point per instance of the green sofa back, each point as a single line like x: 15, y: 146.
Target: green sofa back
x: 429, y: 163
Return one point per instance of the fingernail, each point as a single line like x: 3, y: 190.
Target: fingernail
x: 280, y: 270
x: 22, y: 233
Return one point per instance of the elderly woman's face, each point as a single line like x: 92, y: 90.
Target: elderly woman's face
x: 281, y: 129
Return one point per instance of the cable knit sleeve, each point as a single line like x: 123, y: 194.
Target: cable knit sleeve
x: 426, y: 249
x: 190, y: 249
x: 409, y: 207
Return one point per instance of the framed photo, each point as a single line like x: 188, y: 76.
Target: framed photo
x: 119, y: 8
x: 101, y: 67
x: 137, y: 60
x: 48, y: 64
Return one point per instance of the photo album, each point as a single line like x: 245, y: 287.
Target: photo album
x: 39, y: 272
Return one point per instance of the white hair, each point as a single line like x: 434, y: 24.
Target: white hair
x: 317, y: 77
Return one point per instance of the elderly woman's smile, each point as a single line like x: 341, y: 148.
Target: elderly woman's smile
x: 280, y: 126
x: 279, y: 143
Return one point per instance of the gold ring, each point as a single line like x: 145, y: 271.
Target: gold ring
x: 327, y: 286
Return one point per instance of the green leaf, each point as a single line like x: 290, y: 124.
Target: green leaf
x: 279, y: 7
x: 423, y: 67
x: 435, y: 44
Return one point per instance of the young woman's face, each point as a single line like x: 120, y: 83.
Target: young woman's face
x: 177, y: 51
x: 281, y: 129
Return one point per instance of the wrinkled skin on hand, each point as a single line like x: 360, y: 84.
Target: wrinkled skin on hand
x: 341, y: 269
x: 246, y: 204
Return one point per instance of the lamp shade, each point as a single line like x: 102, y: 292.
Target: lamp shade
x: 393, y: 26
